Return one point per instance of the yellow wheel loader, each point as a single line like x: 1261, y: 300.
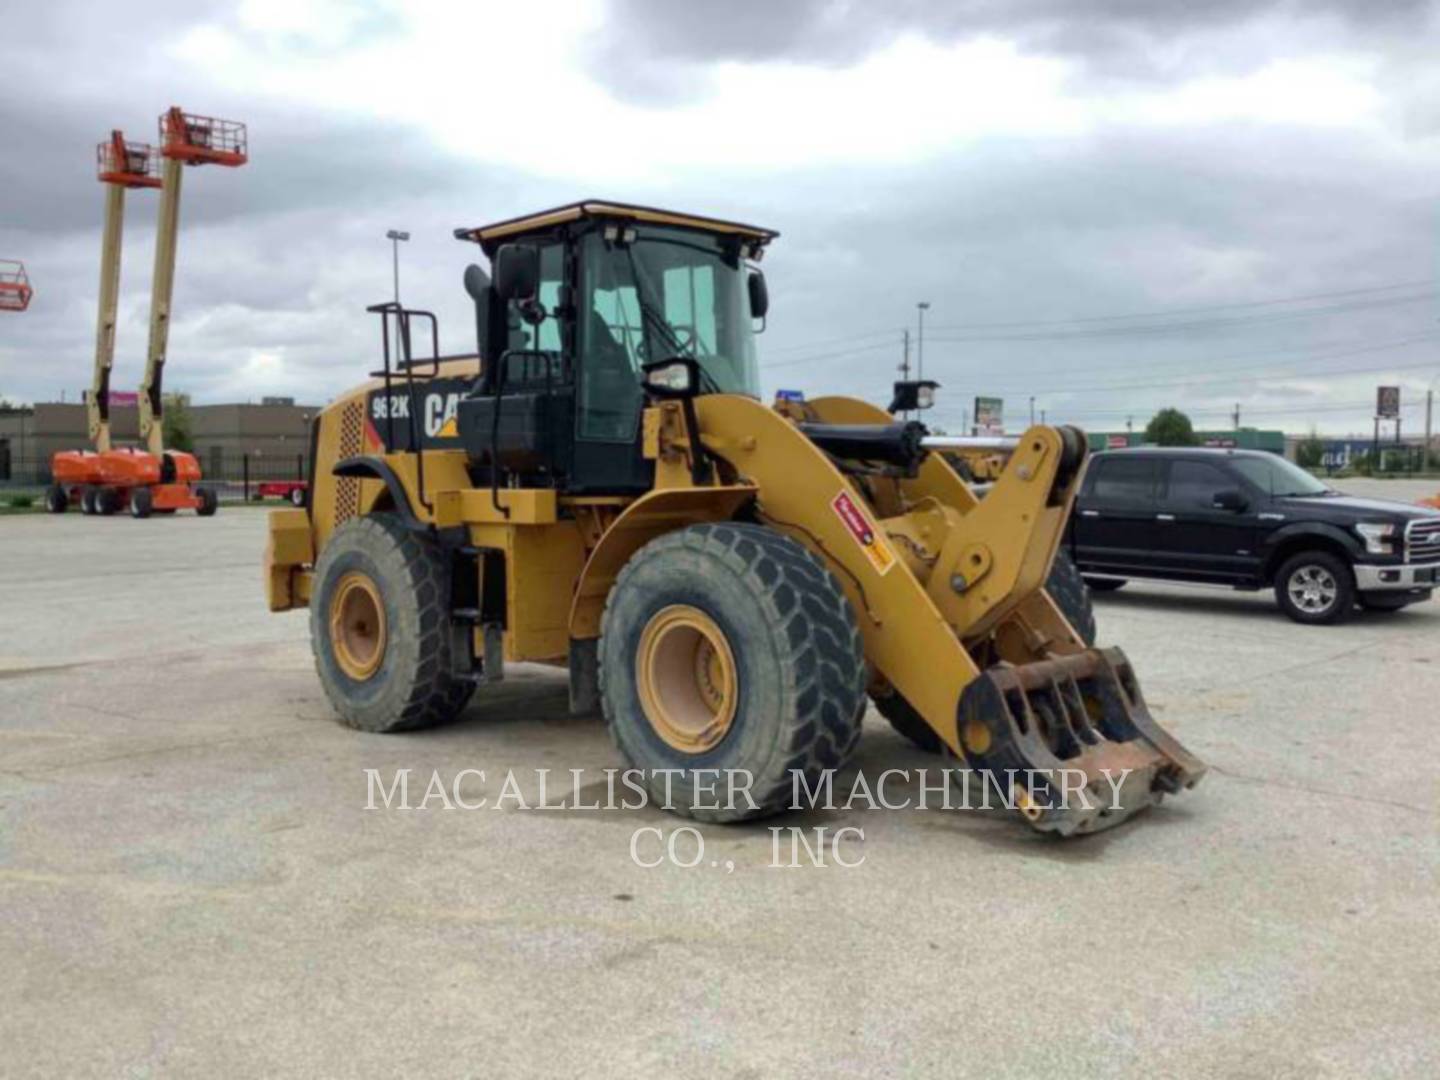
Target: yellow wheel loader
x: 601, y: 488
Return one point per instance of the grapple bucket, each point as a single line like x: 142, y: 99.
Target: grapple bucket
x: 1070, y: 741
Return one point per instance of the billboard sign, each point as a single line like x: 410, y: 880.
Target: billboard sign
x: 989, y: 416
x: 1387, y: 403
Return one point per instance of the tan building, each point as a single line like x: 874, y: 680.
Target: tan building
x: 273, y: 436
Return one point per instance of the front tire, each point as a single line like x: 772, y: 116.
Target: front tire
x: 142, y: 501
x: 57, y: 499
x: 209, y: 502
x: 380, y: 628
x: 1315, y: 588
x: 1071, y: 596
x: 730, y: 647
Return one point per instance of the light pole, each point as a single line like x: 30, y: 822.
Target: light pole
x: 923, y: 306
x: 395, y: 236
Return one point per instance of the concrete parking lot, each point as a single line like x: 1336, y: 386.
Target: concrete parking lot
x: 191, y: 883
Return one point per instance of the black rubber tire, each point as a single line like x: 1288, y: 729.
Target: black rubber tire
x: 1390, y: 601
x: 1105, y: 584
x: 107, y: 501
x: 1344, y: 602
x: 297, y: 498
x: 1070, y: 594
x: 209, y: 502
x: 142, y: 501
x: 799, y: 660
x: 87, y: 500
x: 415, y: 686
x: 57, y: 499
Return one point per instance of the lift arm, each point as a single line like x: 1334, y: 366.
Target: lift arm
x: 162, y: 289
x: 97, y: 406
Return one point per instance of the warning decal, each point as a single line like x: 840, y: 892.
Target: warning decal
x: 858, y: 524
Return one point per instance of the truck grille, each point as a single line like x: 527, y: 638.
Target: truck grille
x: 1422, y: 540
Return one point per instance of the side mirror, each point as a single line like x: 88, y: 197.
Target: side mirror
x: 1230, y: 500
x: 517, y: 272
x: 759, y: 294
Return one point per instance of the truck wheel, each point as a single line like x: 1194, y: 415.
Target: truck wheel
x: 87, y: 500
x: 380, y: 627
x: 1071, y: 596
x: 730, y: 647
x: 1315, y: 588
x: 107, y: 501
x: 209, y: 502
x: 142, y: 501
x: 56, y: 499
x: 297, y: 498
x: 1105, y: 584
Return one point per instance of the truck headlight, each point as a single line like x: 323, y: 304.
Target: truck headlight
x: 1379, y: 536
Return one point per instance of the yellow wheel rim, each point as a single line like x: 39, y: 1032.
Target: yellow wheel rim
x: 357, y: 626
x: 685, y: 673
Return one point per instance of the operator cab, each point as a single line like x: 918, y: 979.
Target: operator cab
x: 583, y: 296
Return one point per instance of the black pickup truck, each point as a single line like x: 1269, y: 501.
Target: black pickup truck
x: 1250, y: 520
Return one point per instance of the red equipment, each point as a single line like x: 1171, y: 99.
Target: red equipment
x: 15, y: 290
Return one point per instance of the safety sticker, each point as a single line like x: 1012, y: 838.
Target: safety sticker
x: 858, y: 522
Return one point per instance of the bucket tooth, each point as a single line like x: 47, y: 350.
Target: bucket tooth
x: 1071, y: 741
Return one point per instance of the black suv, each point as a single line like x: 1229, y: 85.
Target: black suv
x: 1250, y: 520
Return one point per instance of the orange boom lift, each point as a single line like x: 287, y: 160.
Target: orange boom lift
x: 147, y: 479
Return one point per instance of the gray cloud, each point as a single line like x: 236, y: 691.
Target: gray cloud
x: 649, y: 47
x: 278, y: 260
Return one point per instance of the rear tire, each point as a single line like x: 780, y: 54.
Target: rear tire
x: 107, y: 501
x: 87, y: 500
x: 730, y: 647
x: 56, y: 499
x: 380, y: 628
x: 1071, y: 596
x: 141, y: 502
x: 209, y: 502
x: 1315, y: 588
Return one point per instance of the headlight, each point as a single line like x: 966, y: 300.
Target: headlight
x: 670, y: 378
x: 1378, y: 536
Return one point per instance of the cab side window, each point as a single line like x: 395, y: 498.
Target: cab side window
x: 1194, y: 484
x: 1125, y: 481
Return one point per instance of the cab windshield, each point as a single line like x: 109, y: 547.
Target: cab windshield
x: 669, y: 293
x: 1276, y: 476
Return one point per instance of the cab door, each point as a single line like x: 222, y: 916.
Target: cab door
x: 1201, y: 532
x: 1115, y: 515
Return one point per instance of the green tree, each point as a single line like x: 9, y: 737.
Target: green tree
x: 1311, y: 452
x: 1170, y: 427
x: 179, y: 435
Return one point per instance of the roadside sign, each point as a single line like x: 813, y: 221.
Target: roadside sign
x: 789, y: 395
x: 989, y: 416
x: 1387, y: 403
x: 1116, y: 442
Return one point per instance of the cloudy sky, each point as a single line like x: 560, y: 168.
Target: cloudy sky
x: 1111, y: 205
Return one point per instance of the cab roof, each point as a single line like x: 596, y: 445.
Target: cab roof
x: 489, y: 236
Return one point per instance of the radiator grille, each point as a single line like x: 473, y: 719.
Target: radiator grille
x: 1422, y: 540
x: 347, y: 490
